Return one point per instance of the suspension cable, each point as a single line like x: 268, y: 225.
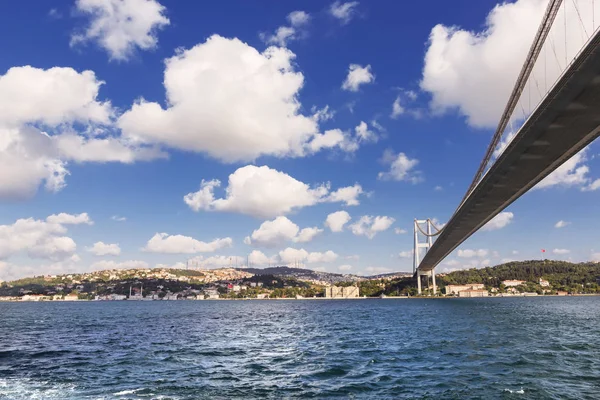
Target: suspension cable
x: 536, y: 46
x: 429, y: 234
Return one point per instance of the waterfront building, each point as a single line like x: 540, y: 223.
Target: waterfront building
x: 544, y: 283
x: 473, y: 293
x: 456, y: 289
x: 338, y: 292
x: 512, y: 283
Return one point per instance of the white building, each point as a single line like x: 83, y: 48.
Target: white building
x: 473, y: 293
x: 544, y: 283
x: 512, y: 283
x: 456, y: 289
x: 337, y: 292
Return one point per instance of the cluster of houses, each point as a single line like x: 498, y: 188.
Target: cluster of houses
x: 478, y: 289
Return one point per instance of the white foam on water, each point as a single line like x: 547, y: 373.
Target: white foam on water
x: 24, y: 388
x: 130, y: 391
x: 520, y: 391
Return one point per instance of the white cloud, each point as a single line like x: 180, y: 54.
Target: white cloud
x: 397, y: 109
x: 468, y: 253
x: 399, y: 231
x: 274, y: 233
x: 179, y: 244
x: 401, y: 168
x: 70, y: 219
x: 368, y: 225
x: 105, y: 249
x: 110, y: 264
x: 257, y: 111
x: 284, y: 34
x: 345, y: 267
x: 56, y: 99
x: 336, y: 220
x: 561, y: 251
x: 406, y: 254
x: 118, y: 218
x: 357, y: 76
x: 344, y: 12
x: 36, y: 238
x: 264, y: 192
x: 499, y: 221
x: 353, y: 257
x: 572, y: 173
x: 11, y: 271
x: 399, y: 105
x: 259, y: 258
x: 459, y: 63
x: 364, y: 134
x: 307, y: 234
x: 281, y: 229
x: 561, y: 224
x: 218, y: 262
x: 291, y: 255
x: 377, y: 270
x: 121, y: 26
x: 438, y: 188
x: 51, y: 97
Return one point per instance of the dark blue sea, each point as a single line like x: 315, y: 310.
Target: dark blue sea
x: 496, y: 348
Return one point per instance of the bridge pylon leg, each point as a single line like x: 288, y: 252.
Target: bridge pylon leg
x: 423, y: 247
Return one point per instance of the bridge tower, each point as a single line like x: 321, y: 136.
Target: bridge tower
x: 421, y: 247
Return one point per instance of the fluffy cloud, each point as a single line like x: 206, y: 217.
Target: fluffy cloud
x: 561, y: 224
x: 110, y: 264
x: 368, y: 225
x: 179, y: 244
x: 357, y: 76
x: 468, y: 253
x: 284, y: 34
x: 344, y: 12
x: 406, y: 254
x: 259, y: 258
x: 363, y: 134
x: 345, y: 267
x: 121, y: 26
x: 51, y: 97
x: 573, y: 173
x: 217, y: 261
x: 118, y: 218
x: 401, y: 168
x: 56, y: 99
x: 281, y: 229
x: 499, y: 221
x: 561, y: 251
x: 399, y: 108
x: 105, y: 249
x: 458, y: 63
x: 257, y: 111
x: 336, y: 220
x: 307, y: 234
x: 70, y: 219
x: 264, y: 192
x: 291, y: 255
x: 37, y: 238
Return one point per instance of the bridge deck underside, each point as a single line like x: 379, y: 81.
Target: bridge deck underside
x: 566, y: 121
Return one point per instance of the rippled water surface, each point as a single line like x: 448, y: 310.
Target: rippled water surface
x: 519, y: 348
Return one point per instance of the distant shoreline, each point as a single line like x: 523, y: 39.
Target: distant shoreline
x: 13, y: 300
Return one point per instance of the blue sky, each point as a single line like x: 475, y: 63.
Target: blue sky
x: 211, y: 132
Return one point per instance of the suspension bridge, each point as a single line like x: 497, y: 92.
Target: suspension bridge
x: 554, y: 103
